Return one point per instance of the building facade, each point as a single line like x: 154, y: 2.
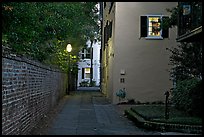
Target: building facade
x: 84, y: 65
x: 190, y: 22
x: 134, y: 54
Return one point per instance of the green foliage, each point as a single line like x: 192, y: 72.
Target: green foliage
x: 172, y: 20
x: 156, y: 113
x: 187, y: 96
x: 35, y: 28
x: 186, y: 59
x: 131, y: 101
x: 84, y: 84
x: 61, y: 57
x: 92, y: 83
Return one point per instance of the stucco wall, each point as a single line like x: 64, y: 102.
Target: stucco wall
x: 107, y: 54
x: 144, y: 61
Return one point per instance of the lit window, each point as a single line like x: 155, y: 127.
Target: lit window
x: 87, y: 72
x: 154, y: 27
x: 151, y: 27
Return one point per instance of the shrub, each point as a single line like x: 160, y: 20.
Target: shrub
x: 131, y: 101
x: 92, y: 83
x: 187, y: 96
x: 138, y: 102
x: 157, y: 102
x: 84, y: 84
x: 147, y: 103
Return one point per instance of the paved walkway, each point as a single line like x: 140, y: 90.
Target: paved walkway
x: 90, y: 113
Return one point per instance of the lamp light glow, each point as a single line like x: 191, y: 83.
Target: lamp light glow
x: 69, y: 47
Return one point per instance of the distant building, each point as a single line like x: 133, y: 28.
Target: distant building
x: 84, y: 65
x: 134, y: 54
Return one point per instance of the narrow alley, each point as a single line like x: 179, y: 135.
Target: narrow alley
x: 90, y: 113
x: 102, y: 68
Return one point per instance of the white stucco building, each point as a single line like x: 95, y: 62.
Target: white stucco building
x: 134, y: 54
x: 84, y: 64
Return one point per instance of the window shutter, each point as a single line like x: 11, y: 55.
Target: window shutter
x: 165, y: 31
x: 143, y: 29
x: 106, y: 33
x: 110, y: 7
x: 111, y: 26
x: 91, y: 53
x: 82, y: 73
x: 82, y: 56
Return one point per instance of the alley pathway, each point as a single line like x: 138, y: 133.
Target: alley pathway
x: 90, y: 113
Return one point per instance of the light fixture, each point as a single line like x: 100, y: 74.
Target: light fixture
x: 69, y: 47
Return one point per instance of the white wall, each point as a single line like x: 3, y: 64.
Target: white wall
x: 86, y: 63
x: 96, y: 62
x: 145, y: 61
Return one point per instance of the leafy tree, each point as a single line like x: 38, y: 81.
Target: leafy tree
x: 188, y: 96
x: 43, y: 29
x: 186, y: 60
x: 173, y: 19
x: 187, y: 74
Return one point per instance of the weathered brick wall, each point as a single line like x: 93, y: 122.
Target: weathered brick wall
x: 29, y: 90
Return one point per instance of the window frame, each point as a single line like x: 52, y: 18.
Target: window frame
x: 148, y: 27
x: 143, y: 26
x: 87, y: 75
x: 85, y: 53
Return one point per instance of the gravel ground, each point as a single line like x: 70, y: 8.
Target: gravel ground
x: 46, y: 122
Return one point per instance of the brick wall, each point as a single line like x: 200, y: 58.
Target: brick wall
x: 29, y: 90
